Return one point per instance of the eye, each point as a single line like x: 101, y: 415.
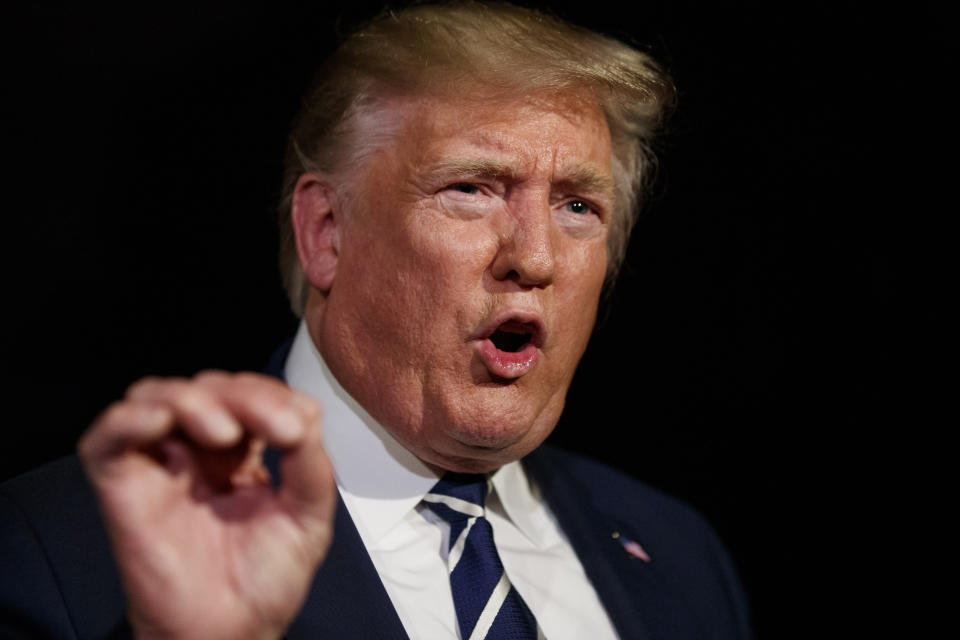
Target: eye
x: 577, y: 206
x: 465, y: 187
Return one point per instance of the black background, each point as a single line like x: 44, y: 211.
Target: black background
x: 751, y: 359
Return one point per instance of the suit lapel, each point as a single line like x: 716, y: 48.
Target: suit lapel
x: 347, y: 598
x: 640, y: 603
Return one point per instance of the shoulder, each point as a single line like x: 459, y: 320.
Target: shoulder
x: 693, y: 573
x: 610, y: 490
x: 59, y: 578
x: 660, y: 519
x: 55, y: 499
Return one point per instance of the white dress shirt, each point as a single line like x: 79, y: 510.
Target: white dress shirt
x: 382, y: 485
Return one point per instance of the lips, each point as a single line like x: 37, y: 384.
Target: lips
x: 510, y: 343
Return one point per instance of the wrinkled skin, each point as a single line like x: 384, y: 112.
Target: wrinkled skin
x: 474, y: 211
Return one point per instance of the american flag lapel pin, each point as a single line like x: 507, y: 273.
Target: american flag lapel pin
x: 631, y: 547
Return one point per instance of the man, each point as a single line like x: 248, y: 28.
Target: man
x: 459, y: 189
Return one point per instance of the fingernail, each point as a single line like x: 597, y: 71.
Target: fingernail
x: 224, y: 428
x: 288, y: 426
x: 304, y: 404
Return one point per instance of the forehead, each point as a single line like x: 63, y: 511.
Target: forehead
x: 562, y: 138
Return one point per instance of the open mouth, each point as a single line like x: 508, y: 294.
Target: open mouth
x: 511, y: 348
x: 516, y: 335
x: 511, y: 338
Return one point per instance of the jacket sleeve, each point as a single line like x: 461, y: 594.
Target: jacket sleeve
x: 31, y: 605
x: 57, y: 574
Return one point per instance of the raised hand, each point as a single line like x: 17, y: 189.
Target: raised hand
x: 206, y: 547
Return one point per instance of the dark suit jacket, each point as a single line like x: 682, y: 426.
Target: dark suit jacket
x: 58, y: 578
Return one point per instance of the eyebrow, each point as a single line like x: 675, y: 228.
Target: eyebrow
x: 589, y: 179
x: 479, y: 168
x: 579, y: 177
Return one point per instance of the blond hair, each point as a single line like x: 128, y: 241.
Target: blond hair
x: 425, y: 48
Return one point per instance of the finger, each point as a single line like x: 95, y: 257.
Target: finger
x: 266, y: 407
x: 124, y: 426
x: 251, y: 471
x: 225, y: 469
x: 308, y: 489
x: 201, y: 414
x: 178, y: 457
x: 288, y: 419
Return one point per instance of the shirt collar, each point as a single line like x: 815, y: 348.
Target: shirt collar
x: 521, y: 501
x: 379, y: 479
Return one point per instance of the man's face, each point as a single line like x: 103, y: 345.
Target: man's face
x: 469, y: 270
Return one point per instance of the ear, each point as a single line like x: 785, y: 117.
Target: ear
x: 316, y: 229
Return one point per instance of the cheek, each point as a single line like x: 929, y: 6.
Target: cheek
x: 585, y: 269
x: 381, y: 287
x: 451, y: 251
x: 579, y: 292
x: 427, y: 282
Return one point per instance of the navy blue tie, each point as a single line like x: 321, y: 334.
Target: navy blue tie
x: 487, y: 605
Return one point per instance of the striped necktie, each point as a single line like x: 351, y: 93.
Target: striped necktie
x: 487, y: 604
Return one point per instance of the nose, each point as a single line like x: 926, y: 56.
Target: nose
x: 527, y: 250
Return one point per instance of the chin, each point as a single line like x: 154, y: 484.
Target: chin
x: 473, y: 460
x: 480, y: 448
